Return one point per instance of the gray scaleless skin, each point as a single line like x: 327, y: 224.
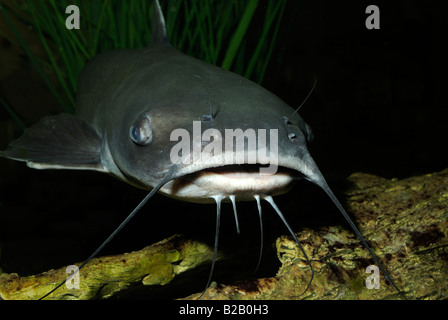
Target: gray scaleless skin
x: 161, y: 82
x: 153, y: 91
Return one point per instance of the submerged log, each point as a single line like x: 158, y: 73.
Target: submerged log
x: 103, y: 277
x: 405, y: 222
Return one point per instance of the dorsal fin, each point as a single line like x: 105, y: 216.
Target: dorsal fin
x: 159, y: 34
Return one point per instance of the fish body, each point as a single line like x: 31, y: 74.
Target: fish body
x: 169, y: 90
x: 163, y: 121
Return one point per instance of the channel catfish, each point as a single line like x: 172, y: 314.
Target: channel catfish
x: 167, y: 122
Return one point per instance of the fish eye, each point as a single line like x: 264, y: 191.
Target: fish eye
x: 292, y: 136
x: 141, y: 130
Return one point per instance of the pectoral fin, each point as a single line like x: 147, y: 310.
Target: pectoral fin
x: 63, y: 141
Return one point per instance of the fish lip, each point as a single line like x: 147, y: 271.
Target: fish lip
x: 245, y: 168
x: 290, y: 164
x: 241, y: 180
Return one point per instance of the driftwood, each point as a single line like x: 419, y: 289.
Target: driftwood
x: 405, y: 221
x: 103, y: 277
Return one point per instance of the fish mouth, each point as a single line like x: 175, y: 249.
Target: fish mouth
x: 242, y: 181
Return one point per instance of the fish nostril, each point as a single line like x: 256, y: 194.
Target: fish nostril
x: 206, y: 117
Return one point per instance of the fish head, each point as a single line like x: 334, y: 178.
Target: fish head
x: 224, y: 134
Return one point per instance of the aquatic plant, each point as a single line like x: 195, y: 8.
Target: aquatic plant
x: 236, y: 35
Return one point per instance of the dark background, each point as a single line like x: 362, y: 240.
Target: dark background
x: 379, y: 107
